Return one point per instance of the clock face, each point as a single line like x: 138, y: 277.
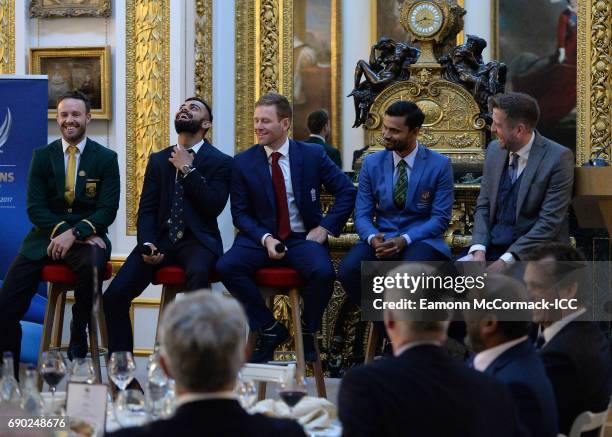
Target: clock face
x: 425, y: 18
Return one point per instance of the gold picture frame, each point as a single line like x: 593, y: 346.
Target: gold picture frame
x: 265, y: 61
x: 85, y: 69
x: 70, y: 8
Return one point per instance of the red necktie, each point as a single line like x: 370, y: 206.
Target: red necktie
x: 282, y: 209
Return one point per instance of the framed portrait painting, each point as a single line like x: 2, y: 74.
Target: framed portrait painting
x: 538, y: 43
x: 85, y: 69
x: 70, y: 8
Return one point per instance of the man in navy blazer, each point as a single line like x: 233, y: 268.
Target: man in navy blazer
x: 185, y: 188
x: 276, y: 204
x: 404, y: 200
x: 505, y: 352
x: 574, y: 349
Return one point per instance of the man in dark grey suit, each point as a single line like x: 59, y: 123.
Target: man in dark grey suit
x: 526, y: 187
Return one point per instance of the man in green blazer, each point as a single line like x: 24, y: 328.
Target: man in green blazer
x: 318, y: 125
x: 72, y: 199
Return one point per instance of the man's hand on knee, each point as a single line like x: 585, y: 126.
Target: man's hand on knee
x: 60, y: 245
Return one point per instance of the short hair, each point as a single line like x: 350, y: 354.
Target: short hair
x: 570, y: 264
x: 203, y: 340
x: 317, y: 120
x: 519, y: 108
x: 283, y: 107
x: 413, y: 116
x: 77, y: 95
x: 206, y: 105
x: 506, y: 289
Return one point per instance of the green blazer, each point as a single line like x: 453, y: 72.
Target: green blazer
x: 96, y: 196
x: 332, y: 152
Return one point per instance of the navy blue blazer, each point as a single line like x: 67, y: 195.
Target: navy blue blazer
x: 429, y: 202
x: 206, y: 191
x: 522, y: 371
x: 577, y: 361
x: 252, y: 193
x: 424, y: 392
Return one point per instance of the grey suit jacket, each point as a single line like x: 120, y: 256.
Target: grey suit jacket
x: 543, y: 199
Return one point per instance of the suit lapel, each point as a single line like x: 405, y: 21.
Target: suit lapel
x: 387, y: 179
x: 295, y: 164
x: 538, y: 150
x: 202, y: 154
x: 499, y: 162
x: 415, y: 174
x: 88, y: 157
x: 57, y: 161
x: 262, y: 169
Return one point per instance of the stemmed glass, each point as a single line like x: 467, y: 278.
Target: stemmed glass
x: 246, y: 391
x: 83, y: 371
x: 292, y: 391
x: 121, y: 368
x: 130, y: 409
x: 52, y: 370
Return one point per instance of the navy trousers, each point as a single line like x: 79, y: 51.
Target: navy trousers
x: 349, y: 271
x: 311, y: 259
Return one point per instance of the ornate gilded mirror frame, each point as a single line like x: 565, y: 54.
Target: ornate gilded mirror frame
x: 594, y: 76
x: 7, y: 36
x: 264, y: 61
x: 148, y: 84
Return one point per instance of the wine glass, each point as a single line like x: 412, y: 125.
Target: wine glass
x: 121, y: 369
x: 246, y: 391
x: 52, y: 370
x: 292, y: 391
x: 130, y: 408
x: 83, y: 371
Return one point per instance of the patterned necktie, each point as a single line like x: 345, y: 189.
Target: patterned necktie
x: 400, y: 190
x: 70, y: 174
x: 177, y: 216
x: 513, y: 167
x: 280, y: 193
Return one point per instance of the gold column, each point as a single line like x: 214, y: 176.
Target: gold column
x: 147, y: 91
x: 594, y: 81
x: 7, y: 36
x: 203, y: 49
x: 264, y: 58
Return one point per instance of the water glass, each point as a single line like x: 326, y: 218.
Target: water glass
x: 83, y: 371
x: 130, y: 409
x: 121, y: 369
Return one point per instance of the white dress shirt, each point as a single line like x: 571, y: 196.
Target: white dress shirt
x: 557, y: 326
x: 523, y: 156
x: 295, y: 218
x: 484, y: 359
x: 195, y: 148
x: 81, y: 147
x: 409, y: 159
x: 317, y: 136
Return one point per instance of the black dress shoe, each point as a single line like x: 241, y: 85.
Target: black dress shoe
x: 310, y: 353
x: 267, y: 341
x: 78, y: 343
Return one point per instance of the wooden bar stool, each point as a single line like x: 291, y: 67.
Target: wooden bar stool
x: 61, y: 279
x: 286, y: 281
x: 172, y: 280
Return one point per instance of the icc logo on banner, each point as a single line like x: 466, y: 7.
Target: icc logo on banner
x: 5, y: 129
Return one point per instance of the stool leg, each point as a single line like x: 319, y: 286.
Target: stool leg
x: 261, y: 390
x: 52, y: 295
x: 318, y: 372
x: 294, y: 299
x: 60, y: 309
x: 372, y: 341
x: 169, y: 292
x: 102, y: 327
x: 95, y: 351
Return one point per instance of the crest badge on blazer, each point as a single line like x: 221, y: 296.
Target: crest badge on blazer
x: 91, y: 188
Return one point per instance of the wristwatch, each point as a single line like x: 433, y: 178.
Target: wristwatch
x: 76, y: 233
x: 186, y: 169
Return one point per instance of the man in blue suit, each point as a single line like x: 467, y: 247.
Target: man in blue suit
x: 404, y: 201
x: 505, y: 352
x: 276, y: 204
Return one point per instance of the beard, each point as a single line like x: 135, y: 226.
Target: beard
x: 190, y: 126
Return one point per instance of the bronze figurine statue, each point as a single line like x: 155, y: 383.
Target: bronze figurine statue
x: 389, y: 62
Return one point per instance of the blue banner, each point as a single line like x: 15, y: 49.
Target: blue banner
x: 23, y: 127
